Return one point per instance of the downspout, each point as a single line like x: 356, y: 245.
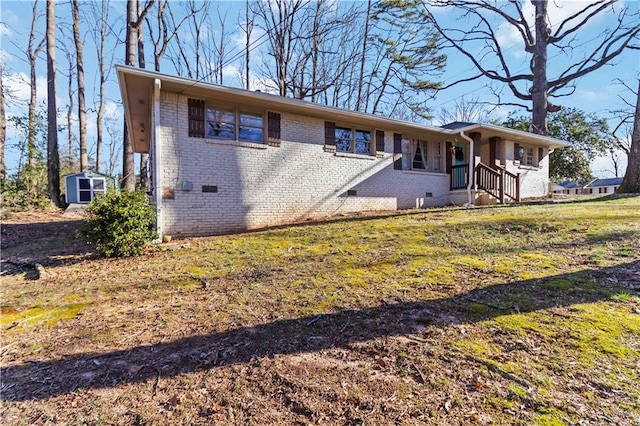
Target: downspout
x: 155, y: 151
x: 472, y: 160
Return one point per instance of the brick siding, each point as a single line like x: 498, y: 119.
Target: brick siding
x: 260, y: 186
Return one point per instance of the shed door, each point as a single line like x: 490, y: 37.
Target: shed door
x: 88, y: 188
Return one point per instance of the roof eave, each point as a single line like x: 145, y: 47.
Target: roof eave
x: 517, y: 134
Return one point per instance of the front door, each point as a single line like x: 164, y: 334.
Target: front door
x: 459, y: 161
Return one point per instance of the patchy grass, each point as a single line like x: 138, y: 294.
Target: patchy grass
x: 503, y: 315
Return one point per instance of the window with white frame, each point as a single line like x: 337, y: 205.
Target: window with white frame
x: 528, y: 156
x: 353, y: 140
x: 220, y: 122
x: 227, y: 123
x: 89, y: 188
x: 422, y: 155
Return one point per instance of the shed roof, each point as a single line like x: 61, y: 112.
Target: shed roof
x: 90, y: 173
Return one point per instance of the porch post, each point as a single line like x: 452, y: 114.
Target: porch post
x: 155, y: 150
x: 501, y: 184
x: 475, y: 136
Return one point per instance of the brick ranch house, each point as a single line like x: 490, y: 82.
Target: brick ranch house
x: 225, y: 160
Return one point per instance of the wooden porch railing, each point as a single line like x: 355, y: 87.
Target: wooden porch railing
x: 459, y: 176
x: 499, y: 182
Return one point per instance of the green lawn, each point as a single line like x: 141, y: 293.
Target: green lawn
x: 504, y: 315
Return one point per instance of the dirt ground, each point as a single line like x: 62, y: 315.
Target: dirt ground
x: 46, y: 237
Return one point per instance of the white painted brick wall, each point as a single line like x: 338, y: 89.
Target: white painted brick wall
x: 261, y: 186
x: 534, y: 181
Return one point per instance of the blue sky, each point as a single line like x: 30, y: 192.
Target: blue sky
x: 596, y: 93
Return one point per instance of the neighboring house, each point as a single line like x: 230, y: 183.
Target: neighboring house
x: 568, y: 187
x: 603, y: 186
x: 83, y: 187
x: 596, y: 186
x: 225, y: 160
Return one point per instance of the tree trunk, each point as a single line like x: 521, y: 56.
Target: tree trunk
x: 144, y: 179
x: 82, y: 108
x: 539, y: 69
x: 70, y: 111
x: 101, y: 73
x: 247, y: 46
x: 363, y: 59
x: 128, y: 168
x: 3, y: 134
x: 53, y: 157
x: 32, y: 55
x: 631, y: 180
x: 31, y: 132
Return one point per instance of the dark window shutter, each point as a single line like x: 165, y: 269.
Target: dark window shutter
x: 397, y: 151
x: 449, y: 156
x: 273, y: 128
x: 196, y: 118
x: 540, y: 155
x: 516, y: 152
x: 330, y: 136
x: 380, y: 140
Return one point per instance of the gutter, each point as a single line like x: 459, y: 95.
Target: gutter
x: 472, y: 159
x: 155, y: 149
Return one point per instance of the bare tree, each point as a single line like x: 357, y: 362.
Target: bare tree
x: 144, y: 158
x: 186, y: 57
x: 53, y: 157
x: 363, y: 55
x: 615, y: 155
x: 3, y: 132
x: 280, y: 19
x: 309, y: 46
x: 166, y: 29
x: 100, y: 31
x: 467, y: 111
x: 114, y: 146
x: 82, y: 107
x: 135, y: 17
x: 214, y: 52
x: 33, y: 51
x: 247, y: 28
x: 70, y: 60
x: 631, y: 180
x: 478, y: 39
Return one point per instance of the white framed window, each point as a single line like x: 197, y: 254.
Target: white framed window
x: 422, y: 155
x: 234, y: 124
x: 528, y: 156
x: 353, y: 140
x: 89, y: 188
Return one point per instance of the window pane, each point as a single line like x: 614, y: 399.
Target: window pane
x: 437, y: 157
x: 343, y: 139
x: 222, y: 115
x: 420, y: 155
x: 84, y: 183
x: 529, y: 159
x: 85, y: 195
x: 98, y: 184
x: 251, y: 134
x: 253, y: 120
x: 221, y: 130
x: 363, y: 142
